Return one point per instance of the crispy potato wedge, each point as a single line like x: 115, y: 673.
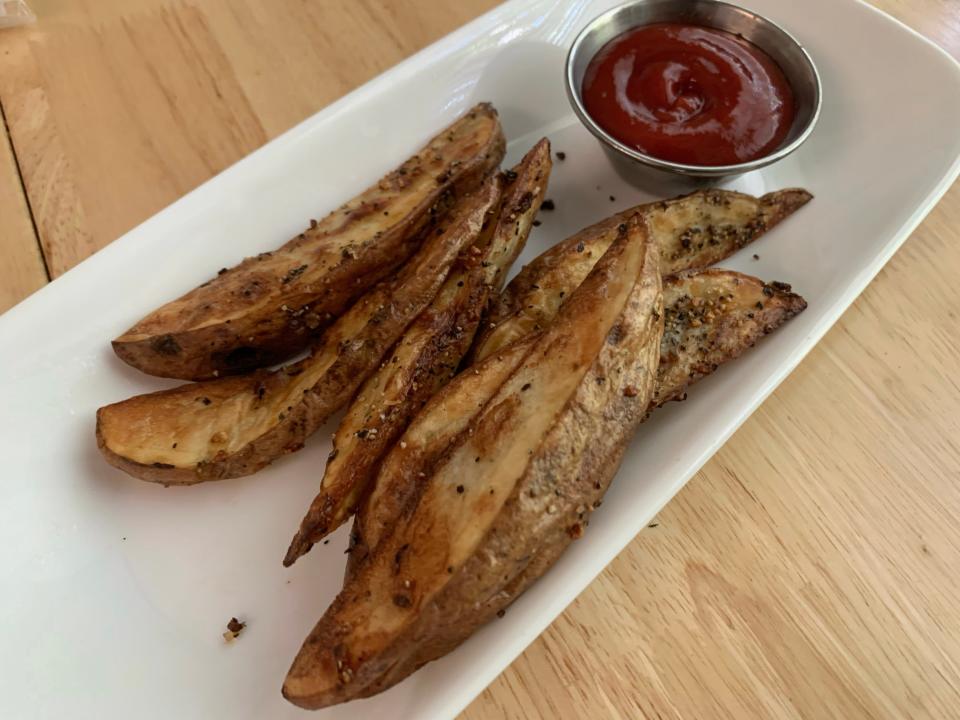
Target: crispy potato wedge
x: 270, y: 307
x: 688, y: 352
x: 563, y: 413
x: 425, y: 358
x: 693, y: 231
x: 234, y: 426
x: 526, y: 186
x: 711, y: 317
x: 427, y: 439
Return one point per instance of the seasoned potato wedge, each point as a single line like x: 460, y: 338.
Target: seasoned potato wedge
x: 698, y: 337
x: 425, y: 358
x: 693, y: 231
x: 235, y: 426
x: 272, y: 306
x: 562, y: 415
x: 711, y: 317
x: 427, y: 439
x: 526, y: 186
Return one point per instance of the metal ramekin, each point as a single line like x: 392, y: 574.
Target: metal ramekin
x: 789, y: 54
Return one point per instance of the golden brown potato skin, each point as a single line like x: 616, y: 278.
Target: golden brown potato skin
x: 693, y: 231
x: 428, y: 437
x: 272, y: 306
x: 566, y: 480
x: 234, y: 426
x: 422, y: 362
x: 425, y: 358
x: 565, y: 412
x: 711, y: 317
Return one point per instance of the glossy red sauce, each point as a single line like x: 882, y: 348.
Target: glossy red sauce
x: 689, y: 94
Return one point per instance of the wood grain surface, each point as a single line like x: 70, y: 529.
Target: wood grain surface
x: 808, y: 571
x: 21, y: 264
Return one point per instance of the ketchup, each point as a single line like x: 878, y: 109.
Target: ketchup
x: 689, y: 94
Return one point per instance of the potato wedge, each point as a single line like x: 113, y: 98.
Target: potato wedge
x: 711, y: 317
x: 427, y: 439
x: 234, y: 426
x: 693, y: 231
x: 425, y: 358
x: 549, y: 421
x: 270, y: 307
x: 526, y: 186
x: 689, y: 351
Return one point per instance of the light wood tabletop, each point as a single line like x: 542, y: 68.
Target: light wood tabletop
x: 808, y: 571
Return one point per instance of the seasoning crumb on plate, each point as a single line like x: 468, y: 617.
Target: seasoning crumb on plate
x: 547, y: 204
x: 234, y: 628
x: 561, y: 156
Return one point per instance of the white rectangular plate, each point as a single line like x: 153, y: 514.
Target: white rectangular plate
x: 114, y: 592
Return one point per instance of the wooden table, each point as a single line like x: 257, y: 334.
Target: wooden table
x: 808, y: 571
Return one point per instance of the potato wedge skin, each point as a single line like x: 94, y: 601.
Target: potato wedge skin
x: 235, y: 426
x: 687, y: 354
x: 565, y: 481
x: 693, y: 232
x: 730, y: 323
x: 711, y: 317
x: 272, y: 306
x: 377, y: 630
x: 425, y: 358
x: 526, y: 186
x: 428, y: 438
